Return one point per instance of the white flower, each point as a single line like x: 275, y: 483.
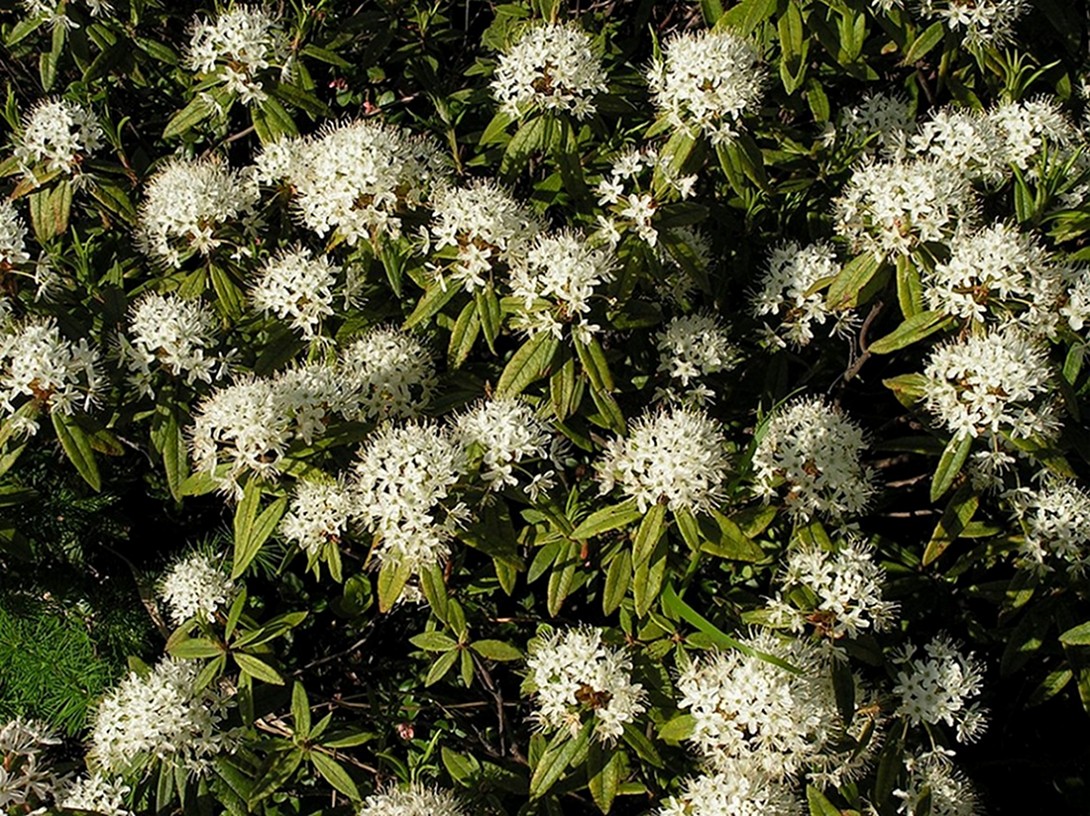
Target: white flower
x: 987, y: 383
x: 691, y: 347
x: 1000, y: 271
x: 791, y: 272
x: 676, y: 456
x: 319, y: 514
x: 573, y: 675
x: 175, y: 333
x: 846, y: 588
x: 556, y: 281
x: 37, y: 362
x: 1056, y: 521
x: 489, y: 229
x: 403, y: 480
x: 416, y: 801
x: 386, y: 373
x: 187, y: 205
x: 888, y: 208
x: 935, y: 787
x: 964, y: 142
x: 812, y: 451
x: 741, y: 792
x: 12, y: 237
x: 357, y: 179
x: 936, y: 687
x: 750, y: 713
x: 237, y: 45
x: 986, y: 22
x: 58, y: 134
x: 507, y: 434
x: 886, y: 118
x: 162, y: 716
x: 296, y: 286
x: 552, y: 67
x: 707, y: 80
x: 1024, y: 128
x: 97, y: 794
x: 195, y: 588
x: 27, y: 778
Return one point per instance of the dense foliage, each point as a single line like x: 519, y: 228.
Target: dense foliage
x: 448, y: 407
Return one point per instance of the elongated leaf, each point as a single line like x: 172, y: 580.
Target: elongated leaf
x: 251, y: 529
x: 435, y: 297
x: 678, y: 728
x: 950, y: 463
x: 618, y: 579
x: 913, y: 330
x: 845, y: 288
x: 496, y: 650
x: 198, y: 109
x: 463, y: 335
x: 561, y: 752
x: 648, y: 577
x: 605, y: 770
x: 959, y: 512
x: 924, y: 43
x: 258, y: 668
x: 392, y: 577
x: 609, y: 518
x: 647, y: 536
x: 77, y: 447
x: 594, y: 363
x: 335, y: 774
x: 528, y: 364
x: 1077, y: 635
x: 819, y: 804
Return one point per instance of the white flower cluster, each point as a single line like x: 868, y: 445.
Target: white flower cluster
x: 56, y: 374
x: 674, y: 456
x: 385, y: 373
x: 159, y: 715
x: 507, y: 433
x: 12, y: 237
x: 237, y: 45
x: 985, y: 22
x: 489, y: 230
x: 889, y: 208
x: 752, y: 717
x: 999, y: 268
x: 188, y: 203
x: 355, y: 179
x: 846, y: 588
x: 812, y: 451
x: 96, y: 794
x: 175, y: 333
x: 556, y: 282
x: 990, y: 382
x: 986, y: 145
x: 572, y: 673
x: 784, y: 293
x: 297, y: 287
x: 625, y: 192
x: 195, y: 588
x: 27, y: 778
x: 886, y: 119
x: 692, y: 347
x: 417, y: 800
x: 933, y: 786
x: 936, y: 687
x: 403, y: 476
x: 707, y: 80
x: 742, y: 792
x: 58, y: 134
x: 552, y: 67
x: 319, y: 514
x: 1056, y: 521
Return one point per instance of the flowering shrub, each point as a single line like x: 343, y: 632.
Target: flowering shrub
x: 543, y: 407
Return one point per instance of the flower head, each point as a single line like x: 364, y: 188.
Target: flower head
x: 195, y: 588
x: 576, y: 678
x: 552, y: 67
x: 812, y: 451
x: 983, y: 21
x: 12, y: 237
x: 386, y: 373
x: 784, y: 293
x: 236, y: 46
x: 675, y: 456
x: 691, y: 347
x: 507, y: 433
x: 319, y: 514
x: 417, y: 800
x: 706, y: 81
x: 741, y: 792
x: 297, y: 287
x: 934, y: 786
x: 97, y: 794
x: 161, y: 715
x: 175, y: 333
x: 1056, y: 520
x: 58, y: 134
x: 936, y: 687
x: 27, y: 777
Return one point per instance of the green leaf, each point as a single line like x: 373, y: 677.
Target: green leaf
x: 637, y: 740
x: 488, y: 309
x: 609, y: 518
x: 561, y: 752
x: 647, y: 578
x: 303, y: 100
x: 496, y: 130
x: 924, y: 43
x: 463, y: 768
x: 913, y: 330
x: 300, y: 710
x: 335, y: 774
x: 194, y: 648
x: 1077, y: 635
x: 953, y: 457
x: 844, y: 290
x: 50, y: 209
x: 819, y: 804
x: 562, y: 576
x: 605, y: 770
x: 198, y: 109
x: 746, y: 16
x: 959, y: 512
x: 565, y: 391
x: 253, y: 530
x: 257, y: 668
x: 279, y: 771
x: 527, y: 365
x: 496, y: 650
x: 725, y: 539
x: 77, y: 447
x: 678, y: 728
x: 271, y: 121
x: 647, y: 536
x: 618, y: 579
x: 464, y: 335
x: 433, y: 642
x: 443, y: 664
x: 909, y: 287
x: 435, y: 297
x: 235, y: 612
x: 392, y: 577
x: 594, y: 363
